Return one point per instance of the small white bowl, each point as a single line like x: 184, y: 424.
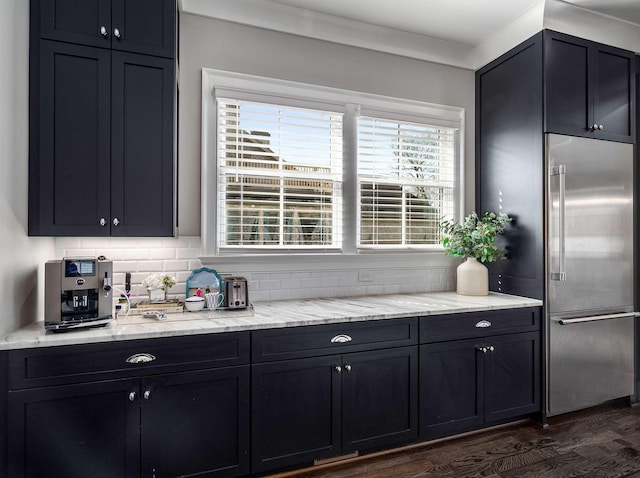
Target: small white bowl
x: 194, y: 304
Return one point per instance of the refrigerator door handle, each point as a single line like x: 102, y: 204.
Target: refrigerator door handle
x: 593, y: 318
x: 560, y: 171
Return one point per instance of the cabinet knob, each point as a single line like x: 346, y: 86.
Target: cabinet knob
x: 347, y: 368
x: 483, y: 349
x: 103, y: 221
x: 146, y: 394
x: 103, y: 31
x: 116, y: 221
x: 132, y: 396
x: 116, y: 33
x: 600, y: 127
x: 338, y: 369
x: 490, y: 348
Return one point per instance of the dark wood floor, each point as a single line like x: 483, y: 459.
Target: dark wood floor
x: 600, y: 442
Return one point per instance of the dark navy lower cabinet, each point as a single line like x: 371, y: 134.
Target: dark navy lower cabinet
x: 480, y: 381
x: 151, y: 424
x: 314, y: 408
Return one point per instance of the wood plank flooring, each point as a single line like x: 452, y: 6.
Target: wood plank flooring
x: 602, y: 442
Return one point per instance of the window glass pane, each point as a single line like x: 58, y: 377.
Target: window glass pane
x: 406, y: 180
x: 279, y: 176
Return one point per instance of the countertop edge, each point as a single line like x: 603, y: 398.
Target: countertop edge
x: 270, y: 315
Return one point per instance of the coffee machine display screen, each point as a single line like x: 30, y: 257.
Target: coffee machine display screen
x: 79, y: 268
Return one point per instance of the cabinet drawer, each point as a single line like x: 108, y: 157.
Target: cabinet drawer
x: 288, y: 343
x: 80, y: 363
x: 478, y: 324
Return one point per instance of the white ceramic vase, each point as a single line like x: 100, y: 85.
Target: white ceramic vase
x: 472, y: 278
x: 157, y: 295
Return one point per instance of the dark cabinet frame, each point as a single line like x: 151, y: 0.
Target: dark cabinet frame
x: 473, y: 376
x: 190, y: 402
x: 314, y: 399
x: 102, y: 120
x: 83, y: 23
x: 589, y: 88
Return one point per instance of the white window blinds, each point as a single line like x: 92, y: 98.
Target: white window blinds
x: 279, y: 176
x: 406, y: 179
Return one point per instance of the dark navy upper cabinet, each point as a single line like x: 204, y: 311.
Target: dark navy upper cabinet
x: 138, y: 26
x: 102, y: 118
x: 589, y: 89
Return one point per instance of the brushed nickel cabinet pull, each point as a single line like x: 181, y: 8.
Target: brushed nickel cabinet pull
x: 483, y: 324
x: 341, y: 339
x: 141, y: 358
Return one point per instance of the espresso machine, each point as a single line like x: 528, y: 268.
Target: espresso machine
x: 78, y: 293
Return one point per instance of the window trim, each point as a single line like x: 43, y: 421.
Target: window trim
x: 248, y: 86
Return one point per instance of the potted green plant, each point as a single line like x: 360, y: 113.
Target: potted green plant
x: 474, y: 239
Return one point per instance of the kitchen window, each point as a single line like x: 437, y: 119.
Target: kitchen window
x: 279, y: 176
x: 296, y: 168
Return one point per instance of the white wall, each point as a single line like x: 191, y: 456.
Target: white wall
x: 206, y: 42
x: 21, y: 257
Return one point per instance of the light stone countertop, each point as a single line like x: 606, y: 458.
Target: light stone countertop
x: 265, y: 315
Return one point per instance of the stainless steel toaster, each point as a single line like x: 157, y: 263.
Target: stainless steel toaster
x: 236, y: 293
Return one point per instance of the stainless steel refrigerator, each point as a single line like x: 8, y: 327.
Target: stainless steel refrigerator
x: 589, y: 279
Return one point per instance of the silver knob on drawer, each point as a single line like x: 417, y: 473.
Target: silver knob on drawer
x: 338, y: 369
x: 483, y: 349
x: 347, y: 368
x: 132, y: 396
x: 116, y: 221
x: 146, y: 394
x: 600, y: 127
x: 103, y: 31
x: 490, y: 349
x: 103, y: 221
x: 116, y: 33
x: 141, y: 358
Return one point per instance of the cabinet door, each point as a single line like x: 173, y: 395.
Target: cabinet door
x: 87, y: 22
x: 295, y: 412
x: 568, y: 99
x: 196, y: 424
x: 614, y: 90
x: 70, y: 165
x: 75, y: 431
x: 512, y: 376
x: 142, y: 179
x: 451, y: 387
x: 144, y: 26
x: 380, y: 398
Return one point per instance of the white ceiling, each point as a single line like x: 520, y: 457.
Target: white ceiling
x: 461, y: 33
x: 469, y: 22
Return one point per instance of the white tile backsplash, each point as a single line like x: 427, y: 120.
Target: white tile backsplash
x: 179, y: 256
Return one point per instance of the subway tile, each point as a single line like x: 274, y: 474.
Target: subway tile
x: 268, y: 285
x: 67, y: 243
x: 151, y: 266
x: 259, y: 296
x: 310, y: 283
x: 187, y: 253
x: 81, y: 253
x: 175, y: 265
x: 290, y: 283
x: 280, y: 294
x: 164, y: 253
